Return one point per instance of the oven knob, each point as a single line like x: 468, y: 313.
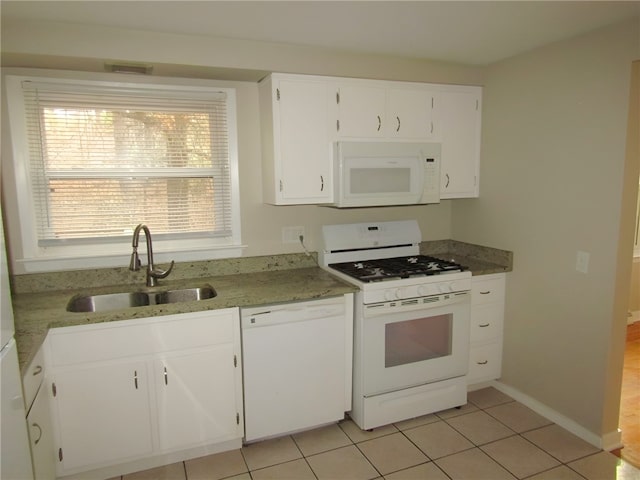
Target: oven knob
x: 453, y: 287
x: 444, y: 288
x: 423, y: 290
x: 391, y: 294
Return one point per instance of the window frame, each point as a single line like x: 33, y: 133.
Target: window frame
x: 32, y: 258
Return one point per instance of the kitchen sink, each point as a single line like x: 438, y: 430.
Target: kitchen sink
x: 116, y: 301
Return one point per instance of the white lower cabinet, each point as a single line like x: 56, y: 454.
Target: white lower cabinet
x: 157, y: 387
x: 41, y: 438
x: 487, y: 319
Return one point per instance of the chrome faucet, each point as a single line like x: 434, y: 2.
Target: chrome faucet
x: 152, y: 273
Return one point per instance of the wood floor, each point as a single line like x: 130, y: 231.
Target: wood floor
x: 630, y: 398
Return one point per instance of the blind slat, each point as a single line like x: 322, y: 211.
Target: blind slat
x: 103, y: 159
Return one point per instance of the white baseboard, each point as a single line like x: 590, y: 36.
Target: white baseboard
x: 609, y: 441
x: 633, y: 317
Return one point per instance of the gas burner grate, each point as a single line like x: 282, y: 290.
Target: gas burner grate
x: 396, y: 268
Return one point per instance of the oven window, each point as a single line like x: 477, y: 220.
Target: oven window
x: 417, y: 340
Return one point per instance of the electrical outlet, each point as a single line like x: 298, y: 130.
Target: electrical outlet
x: 582, y: 262
x: 292, y: 234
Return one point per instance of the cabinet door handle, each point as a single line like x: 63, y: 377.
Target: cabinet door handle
x: 321, y: 183
x: 484, y: 325
x: 37, y: 370
x: 486, y: 292
x: 483, y: 363
x: 166, y: 376
x: 379, y: 122
x: 447, y: 175
x: 135, y: 378
x: 398, y: 128
x: 431, y: 127
x: 37, y: 440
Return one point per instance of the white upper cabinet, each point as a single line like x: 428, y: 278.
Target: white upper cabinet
x: 302, y: 116
x: 360, y: 111
x: 296, y: 146
x: 385, y: 110
x: 460, y: 113
x: 412, y: 114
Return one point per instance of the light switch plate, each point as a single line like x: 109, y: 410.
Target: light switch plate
x: 582, y: 262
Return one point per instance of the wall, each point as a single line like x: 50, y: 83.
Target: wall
x: 553, y: 183
x: 634, y: 297
x: 76, y: 47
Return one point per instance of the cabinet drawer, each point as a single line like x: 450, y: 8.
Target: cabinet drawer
x: 33, y: 378
x: 488, y: 289
x: 485, y: 362
x: 486, y: 322
x: 99, y: 342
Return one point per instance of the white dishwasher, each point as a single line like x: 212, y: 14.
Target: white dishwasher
x: 296, y: 363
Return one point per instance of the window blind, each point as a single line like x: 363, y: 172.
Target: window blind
x: 103, y: 159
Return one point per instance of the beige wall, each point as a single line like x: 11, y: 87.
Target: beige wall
x: 75, y: 47
x: 553, y: 172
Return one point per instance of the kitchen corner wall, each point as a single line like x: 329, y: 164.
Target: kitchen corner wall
x: 554, y: 183
x: 239, y: 64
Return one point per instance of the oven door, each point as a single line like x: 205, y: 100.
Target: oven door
x: 408, y: 348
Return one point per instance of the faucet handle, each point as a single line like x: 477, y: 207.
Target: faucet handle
x: 157, y: 273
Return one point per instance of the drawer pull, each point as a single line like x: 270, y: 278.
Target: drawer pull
x: 37, y: 370
x: 483, y: 363
x: 486, y: 292
x: 484, y: 325
x: 135, y: 378
x: 37, y: 440
x: 166, y: 376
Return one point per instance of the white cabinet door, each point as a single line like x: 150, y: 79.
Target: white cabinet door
x: 411, y: 114
x: 460, y: 163
x: 361, y: 111
x: 487, y: 320
x: 43, y: 451
x: 103, y: 414
x: 197, y: 401
x: 297, y: 151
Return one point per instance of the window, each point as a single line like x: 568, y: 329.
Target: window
x: 95, y: 158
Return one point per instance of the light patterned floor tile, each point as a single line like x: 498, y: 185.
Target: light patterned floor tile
x: 270, y: 452
x: 488, y: 397
x: 473, y: 465
x: 215, y: 467
x: 605, y: 466
x: 518, y: 417
x: 346, y: 463
x: 480, y: 428
x: 174, y: 471
x: 438, y: 439
x: 559, y: 473
x: 295, y: 470
x: 357, y: 435
x: 560, y: 443
x: 454, y: 412
x: 425, y: 471
x: 392, y: 453
x: 242, y: 476
x: 519, y: 456
x: 321, y: 440
x: 417, y: 422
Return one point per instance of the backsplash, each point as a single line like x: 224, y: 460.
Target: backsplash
x: 51, y: 281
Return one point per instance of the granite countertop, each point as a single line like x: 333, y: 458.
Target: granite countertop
x: 36, y: 313
x: 40, y: 300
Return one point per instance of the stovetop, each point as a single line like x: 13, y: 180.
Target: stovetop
x: 396, y: 268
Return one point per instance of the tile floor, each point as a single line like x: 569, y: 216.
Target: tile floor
x: 493, y: 437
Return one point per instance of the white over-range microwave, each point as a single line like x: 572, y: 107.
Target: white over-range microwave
x: 368, y: 174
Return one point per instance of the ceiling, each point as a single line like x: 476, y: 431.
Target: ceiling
x: 466, y: 32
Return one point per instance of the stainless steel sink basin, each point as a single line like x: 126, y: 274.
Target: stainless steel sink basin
x: 185, y: 295
x: 116, y: 301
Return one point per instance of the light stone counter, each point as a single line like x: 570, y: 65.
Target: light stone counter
x: 36, y: 313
